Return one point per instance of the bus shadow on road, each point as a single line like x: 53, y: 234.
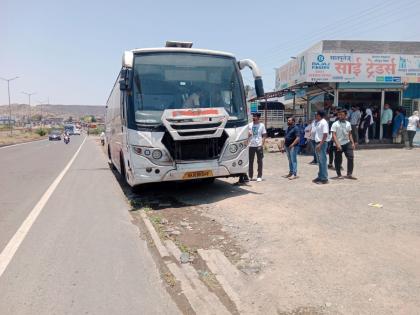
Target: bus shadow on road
x: 158, y: 196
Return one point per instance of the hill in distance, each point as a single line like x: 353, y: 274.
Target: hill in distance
x: 20, y: 111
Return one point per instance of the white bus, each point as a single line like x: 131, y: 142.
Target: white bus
x: 178, y: 113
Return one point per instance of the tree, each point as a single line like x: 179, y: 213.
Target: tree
x: 93, y: 119
x: 87, y: 119
x: 36, y: 117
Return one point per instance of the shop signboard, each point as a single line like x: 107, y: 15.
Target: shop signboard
x: 383, y: 68
x: 349, y: 67
x: 291, y: 73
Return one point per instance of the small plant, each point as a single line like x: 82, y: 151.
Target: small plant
x: 41, y: 132
x: 169, y: 279
x: 156, y: 219
x: 146, y: 209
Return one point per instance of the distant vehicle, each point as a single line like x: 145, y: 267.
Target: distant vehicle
x: 102, y: 137
x: 69, y: 128
x: 54, y: 135
x: 77, y: 131
x: 178, y: 113
x: 276, y: 124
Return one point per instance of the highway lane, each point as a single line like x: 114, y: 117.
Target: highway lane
x: 26, y: 171
x: 82, y: 255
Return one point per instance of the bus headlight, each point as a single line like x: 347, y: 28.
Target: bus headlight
x: 157, y: 154
x: 233, y: 148
x: 137, y: 150
x: 154, y: 155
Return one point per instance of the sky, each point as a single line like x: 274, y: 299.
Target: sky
x: 70, y: 51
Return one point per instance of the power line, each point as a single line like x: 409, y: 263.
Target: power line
x: 358, y: 15
x: 339, y: 31
x: 359, y: 27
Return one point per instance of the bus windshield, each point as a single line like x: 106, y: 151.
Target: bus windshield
x: 185, y: 80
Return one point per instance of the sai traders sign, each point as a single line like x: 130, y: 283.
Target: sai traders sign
x: 384, y: 68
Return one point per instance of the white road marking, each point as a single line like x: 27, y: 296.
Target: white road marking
x: 12, y: 246
x: 15, y: 145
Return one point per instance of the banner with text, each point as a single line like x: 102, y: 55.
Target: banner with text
x: 340, y: 67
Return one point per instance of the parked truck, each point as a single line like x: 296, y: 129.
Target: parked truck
x: 177, y: 113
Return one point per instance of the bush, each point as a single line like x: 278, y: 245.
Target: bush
x: 41, y: 131
x: 95, y: 131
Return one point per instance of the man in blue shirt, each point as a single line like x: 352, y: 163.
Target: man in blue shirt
x: 398, y: 124
x: 291, y: 140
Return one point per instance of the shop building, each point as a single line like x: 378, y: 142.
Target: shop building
x: 344, y: 73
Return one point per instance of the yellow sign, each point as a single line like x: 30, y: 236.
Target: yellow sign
x: 197, y: 174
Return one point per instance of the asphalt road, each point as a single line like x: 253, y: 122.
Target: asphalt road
x: 82, y: 254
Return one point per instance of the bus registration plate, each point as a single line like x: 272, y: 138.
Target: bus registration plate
x: 197, y: 174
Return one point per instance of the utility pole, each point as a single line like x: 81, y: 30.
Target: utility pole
x: 10, y: 106
x: 29, y: 98
x: 40, y: 104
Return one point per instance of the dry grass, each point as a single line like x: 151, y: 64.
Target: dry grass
x: 18, y: 136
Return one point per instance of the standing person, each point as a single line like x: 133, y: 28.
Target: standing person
x: 413, y: 124
x: 343, y: 143
x: 368, y: 123
x: 405, y: 125
x: 376, y: 123
x: 308, y: 128
x: 386, y: 121
x: 355, y: 121
x: 313, y: 143
x: 321, y: 135
x: 257, y: 134
x: 291, y: 140
x: 302, y: 141
x: 331, y: 120
x: 397, y: 126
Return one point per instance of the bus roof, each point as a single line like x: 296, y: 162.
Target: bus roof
x: 184, y: 50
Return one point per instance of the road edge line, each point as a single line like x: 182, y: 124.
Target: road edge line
x: 14, y: 243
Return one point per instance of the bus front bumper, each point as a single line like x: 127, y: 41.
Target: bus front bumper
x: 146, y: 172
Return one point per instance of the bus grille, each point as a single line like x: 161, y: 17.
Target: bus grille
x: 195, y: 149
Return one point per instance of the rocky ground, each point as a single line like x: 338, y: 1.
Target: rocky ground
x: 305, y: 248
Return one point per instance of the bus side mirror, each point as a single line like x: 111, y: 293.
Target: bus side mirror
x: 125, y: 79
x: 259, y: 89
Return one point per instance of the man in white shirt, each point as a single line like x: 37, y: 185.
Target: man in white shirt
x: 386, y: 121
x: 257, y: 136
x: 343, y: 143
x: 413, y: 124
x: 312, y: 137
x: 355, y: 117
x: 321, y: 135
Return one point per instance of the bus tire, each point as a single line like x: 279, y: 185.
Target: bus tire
x: 110, y: 163
x: 122, y: 168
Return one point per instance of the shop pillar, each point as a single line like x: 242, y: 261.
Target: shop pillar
x: 381, y: 131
